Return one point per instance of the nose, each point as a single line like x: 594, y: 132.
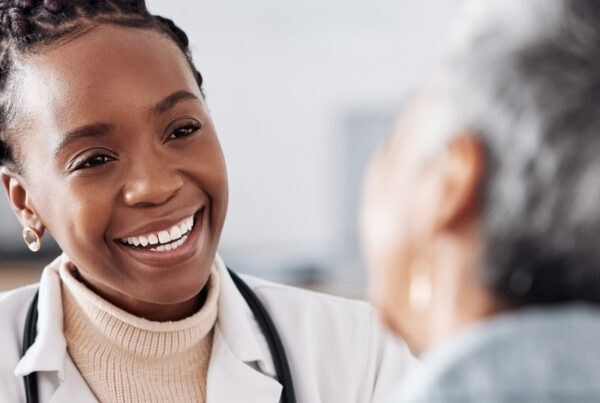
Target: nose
x: 151, y: 183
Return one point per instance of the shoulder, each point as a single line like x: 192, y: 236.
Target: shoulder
x: 343, y: 335
x: 13, y: 308
x: 314, y: 315
x: 478, y: 363
x: 13, y: 311
x: 321, y: 312
x: 269, y: 290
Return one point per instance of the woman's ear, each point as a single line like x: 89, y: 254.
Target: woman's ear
x: 20, y: 201
x: 461, y: 170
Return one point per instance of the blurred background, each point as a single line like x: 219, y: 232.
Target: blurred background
x: 302, y: 93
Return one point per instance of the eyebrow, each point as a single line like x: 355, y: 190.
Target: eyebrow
x: 93, y: 130
x: 172, y: 100
x: 101, y: 129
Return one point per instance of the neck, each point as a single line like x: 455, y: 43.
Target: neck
x: 459, y: 297
x: 148, y: 310
x: 124, y: 357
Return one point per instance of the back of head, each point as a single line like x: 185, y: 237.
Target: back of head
x: 524, y: 77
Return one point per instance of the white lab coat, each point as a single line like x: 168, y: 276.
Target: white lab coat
x: 336, y: 349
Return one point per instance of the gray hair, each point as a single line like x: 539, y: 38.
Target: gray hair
x: 524, y: 76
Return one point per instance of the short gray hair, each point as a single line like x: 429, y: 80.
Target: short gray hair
x: 524, y: 76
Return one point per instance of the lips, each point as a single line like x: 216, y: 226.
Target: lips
x: 173, y: 247
x: 164, y: 240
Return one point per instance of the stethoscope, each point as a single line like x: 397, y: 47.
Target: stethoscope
x: 265, y: 322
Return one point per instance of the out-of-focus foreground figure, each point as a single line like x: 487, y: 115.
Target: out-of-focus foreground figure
x: 481, y: 216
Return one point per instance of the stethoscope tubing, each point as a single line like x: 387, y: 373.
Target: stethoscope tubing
x: 282, y: 368
x: 29, y: 335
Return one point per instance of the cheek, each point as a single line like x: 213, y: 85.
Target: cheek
x: 90, y: 215
x: 214, y: 178
x: 76, y: 212
x: 218, y: 174
x: 77, y: 216
x: 386, y: 251
x: 385, y: 243
x: 384, y: 235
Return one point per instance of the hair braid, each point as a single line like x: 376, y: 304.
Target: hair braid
x: 29, y: 24
x: 182, y: 40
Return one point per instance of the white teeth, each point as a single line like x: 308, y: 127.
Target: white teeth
x: 170, y: 246
x: 183, y: 228
x: 164, y: 236
x: 175, y: 233
x: 174, y: 237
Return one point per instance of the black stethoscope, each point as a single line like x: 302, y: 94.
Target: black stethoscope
x: 265, y: 322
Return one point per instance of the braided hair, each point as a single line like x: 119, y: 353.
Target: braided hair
x: 26, y: 25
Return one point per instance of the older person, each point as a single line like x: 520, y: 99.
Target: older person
x: 481, y: 215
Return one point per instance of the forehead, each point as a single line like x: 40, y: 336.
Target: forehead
x: 100, y: 73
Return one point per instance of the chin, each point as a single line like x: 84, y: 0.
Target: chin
x: 175, y: 289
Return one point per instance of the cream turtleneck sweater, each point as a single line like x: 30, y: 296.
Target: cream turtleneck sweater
x: 124, y: 358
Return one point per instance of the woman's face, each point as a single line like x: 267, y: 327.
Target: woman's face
x: 120, y: 156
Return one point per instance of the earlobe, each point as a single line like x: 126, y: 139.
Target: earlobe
x: 19, y: 201
x: 462, y: 167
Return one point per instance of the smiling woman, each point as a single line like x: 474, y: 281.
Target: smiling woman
x: 106, y: 143
x: 135, y: 152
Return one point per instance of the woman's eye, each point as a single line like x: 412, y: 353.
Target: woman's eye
x: 185, y: 130
x: 93, y: 161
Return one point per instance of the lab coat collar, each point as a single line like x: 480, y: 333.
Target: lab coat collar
x: 241, y: 366
x: 236, y: 322
x: 48, y: 351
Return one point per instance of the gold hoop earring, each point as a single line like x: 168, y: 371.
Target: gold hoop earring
x: 34, y: 244
x: 420, y: 287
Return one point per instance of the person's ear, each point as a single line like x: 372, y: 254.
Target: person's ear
x: 461, y: 170
x: 20, y: 201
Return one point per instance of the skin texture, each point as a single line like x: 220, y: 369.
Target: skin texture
x: 140, y: 170
x: 420, y: 217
